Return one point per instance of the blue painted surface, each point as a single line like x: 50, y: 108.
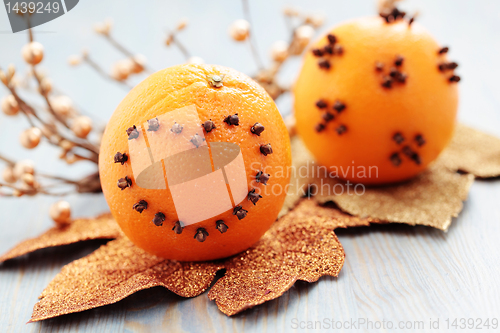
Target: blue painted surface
x: 393, y: 273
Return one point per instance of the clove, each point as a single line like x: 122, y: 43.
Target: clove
x: 253, y: 196
x: 140, y: 206
x: 120, y: 158
x: 257, y: 129
x: 159, y: 219
x: 132, y: 132
x: 221, y: 226
x: 123, y: 183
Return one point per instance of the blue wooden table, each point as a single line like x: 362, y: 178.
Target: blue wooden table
x: 394, y: 273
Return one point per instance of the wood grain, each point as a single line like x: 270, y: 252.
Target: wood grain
x: 392, y: 272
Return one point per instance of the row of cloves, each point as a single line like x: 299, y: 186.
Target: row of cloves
x: 201, y: 233
x: 208, y: 126
x: 445, y: 67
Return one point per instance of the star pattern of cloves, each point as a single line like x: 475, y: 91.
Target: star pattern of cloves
x: 392, y: 14
x: 406, y: 149
x: 329, y: 114
x: 395, y: 75
x: 326, y: 53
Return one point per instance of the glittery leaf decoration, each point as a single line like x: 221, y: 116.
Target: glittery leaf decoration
x: 115, y: 271
x: 297, y: 247
x: 333, y: 217
x: 101, y: 227
x: 474, y: 152
x: 301, y: 245
x: 433, y: 198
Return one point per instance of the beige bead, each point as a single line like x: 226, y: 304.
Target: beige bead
x: 22, y: 167
x: 316, y: 20
x: 10, y: 106
x: 70, y: 159
x: 264, y: 76
x: 279, y: 51
x: 137, y: 64
x: 169, y: 40
x: 46, y: 86
x: 108, y: 24
x: 66, y: 145
x: 303, y: 34
x: 60, y: 212
x: 182, y: 24
x: 29, y: 190
x: 32, y: 53
x: 3, y: 77
x: 386, y: 6
x: 30, y: 138
x: 104, y: 28
x: 11, y: 71
x: 48, y: 130
x: 28, y: 179
x: 239, y: 30
x: 290, y: 11
x: 8, y: 175
x: 17, y: 193
x: 16, y: 81
x: 121, y: 70
x: 62, y: 105
x: 196, y: 60
x: 74, y: 60
x: 81, y: 126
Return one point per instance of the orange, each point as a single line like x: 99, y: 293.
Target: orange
x: 382, y: 131
x: 201, y: 106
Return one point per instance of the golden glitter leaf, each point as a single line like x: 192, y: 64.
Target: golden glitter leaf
x: 297, y: 247
x: 473, y: 151
x: 115, y: 271
x: 101, y: 227
x: 432, y: 198
x: 333, y: 217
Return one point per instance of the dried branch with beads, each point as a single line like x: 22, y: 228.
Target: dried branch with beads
x: 61, y: 124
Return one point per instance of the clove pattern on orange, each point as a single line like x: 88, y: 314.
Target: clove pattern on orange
x: 232, y: 108
x: 376, y: 100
